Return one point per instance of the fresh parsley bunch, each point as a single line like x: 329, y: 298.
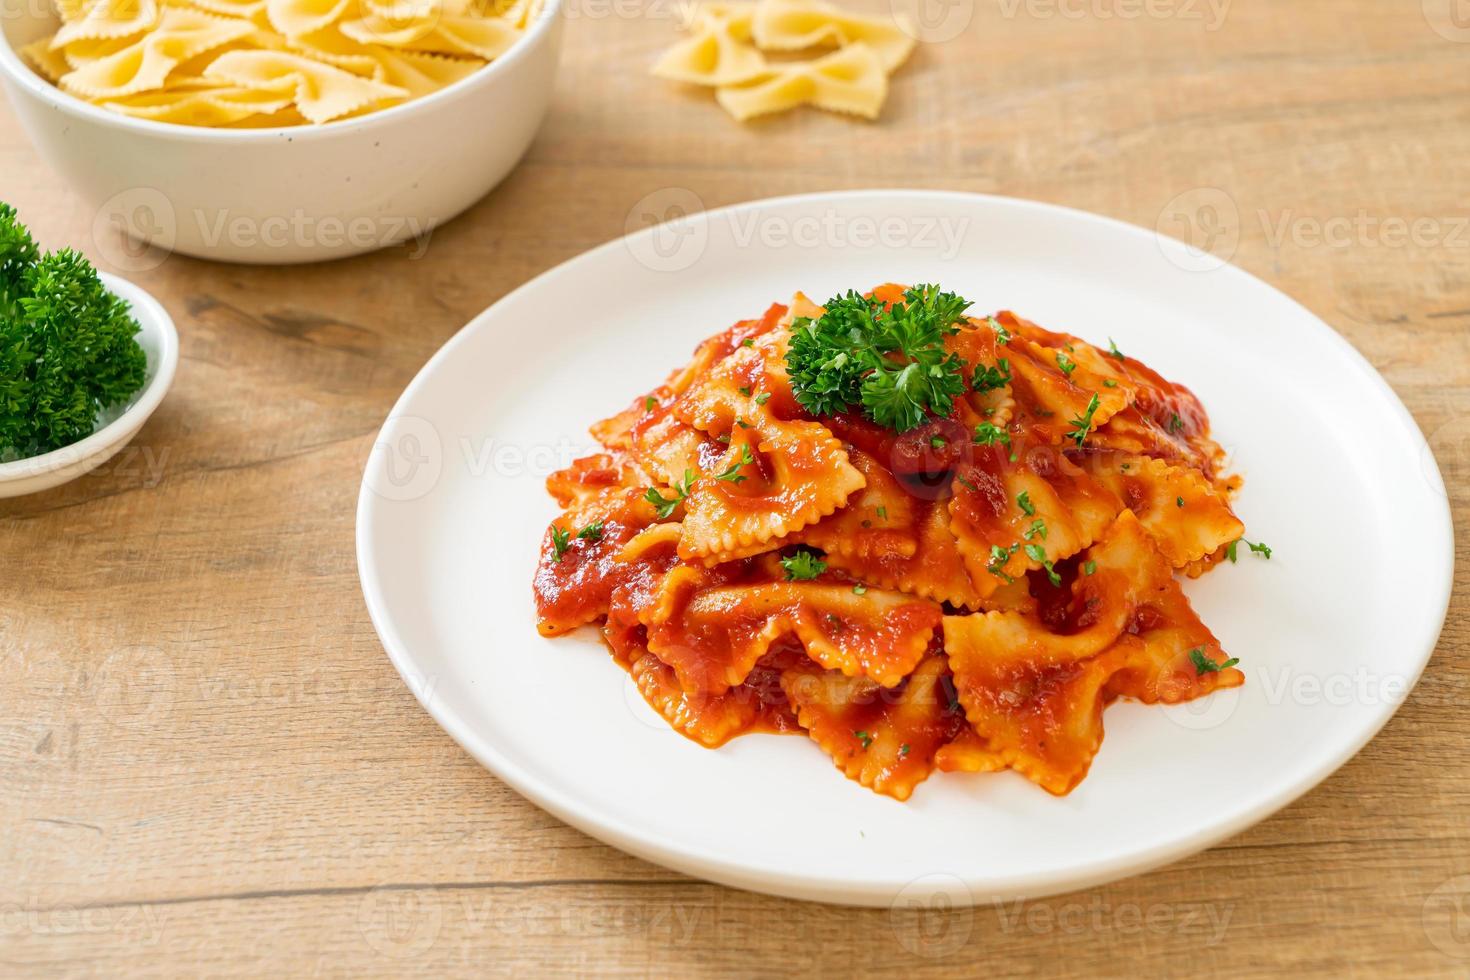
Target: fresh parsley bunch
x: 67, y: 347
x: 891, y: 361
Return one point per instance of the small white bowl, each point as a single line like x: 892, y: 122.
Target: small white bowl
x: 160, y: 341
x: 294, y: 194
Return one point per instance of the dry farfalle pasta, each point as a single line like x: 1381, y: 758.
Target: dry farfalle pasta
x: 726, y: 41
x: 259, y: 63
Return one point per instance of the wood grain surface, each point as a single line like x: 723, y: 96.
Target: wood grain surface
x: 208, y: 766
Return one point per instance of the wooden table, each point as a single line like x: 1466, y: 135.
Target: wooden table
x: 208, y: 765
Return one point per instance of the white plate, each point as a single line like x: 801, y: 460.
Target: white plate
x: 1331, y: 632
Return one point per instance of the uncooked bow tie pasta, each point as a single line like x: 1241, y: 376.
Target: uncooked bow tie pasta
x: 724, y: 51
x: 928, y: 541
x: 261, y: 63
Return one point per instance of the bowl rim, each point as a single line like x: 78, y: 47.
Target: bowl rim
x: 153, y: 319
x: 15, y: 70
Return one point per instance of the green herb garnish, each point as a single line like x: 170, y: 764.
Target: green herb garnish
x: 1113, y: 350
x: 1002, y: 335
x: 890, y: 361
x: 1204, y: 665
x: 988, y: 434
x: 664, y: 506
x: 1089, y: 568
x: 561, y: 540
x: 1260, y: 548
x: 864, y: 737
x: 990, y: 378
x: 1083, y: 422
x: 592, y: 532
x: 1023, y: 501
x: 733, y: 474
x: 1066, y: 364
x: 859, y: 588
x: 67, y: 347
x: 1038, y: 554
x: 802, y: 566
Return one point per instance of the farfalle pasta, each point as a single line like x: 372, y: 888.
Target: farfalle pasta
x: 728, y: 42
x: 910, y: 533
x: 260, y: 63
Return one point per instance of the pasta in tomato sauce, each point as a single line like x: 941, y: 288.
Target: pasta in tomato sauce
x: 927, y: 540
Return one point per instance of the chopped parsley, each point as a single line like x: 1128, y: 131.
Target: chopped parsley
x: 665, y: 506
x: 1113, y: 350
x: 988, y: 434
x: 990, y: 378
x: 650, y: 403
x: 802, y: 566
x: 1204, y: 665
x: 1066, y: 364
x: 1260, y: 548
x: 859, y: 588
x: 1176, y: 424
x: 998, y: 558
x: 1038, y: 554
x: 733, y: 474
x: 1089, y: 568
x: 1230, y: 550
x: 744, y: 390
x: 882, y: 513
x: 891, y: 361
x: 864, y: 737
x: 1023, y: 501
x: 1083, y: 422
x: 592, y: 532
x: 1109, y: 383
x: 1038, y: 526
x: 938, y: 442
x: 762, y: 398
x: 1002, y: 335
x: 903, y: 751
x: 1178, y: 501
x: 748, y: 342
x: 561, y: 540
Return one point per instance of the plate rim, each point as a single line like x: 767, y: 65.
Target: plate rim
x: 708, y: 863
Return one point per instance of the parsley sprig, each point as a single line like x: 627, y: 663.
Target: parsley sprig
x: 1204, y: 665
x: 1083, y: 422
x: 733, y: 474
x: 67, y: 347
x: 665, y: 506
x: 890, y: 361
x: 803, y: 565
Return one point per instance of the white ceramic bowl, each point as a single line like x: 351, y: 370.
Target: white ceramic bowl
x: 160, y: 341
x: 295, y: 194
